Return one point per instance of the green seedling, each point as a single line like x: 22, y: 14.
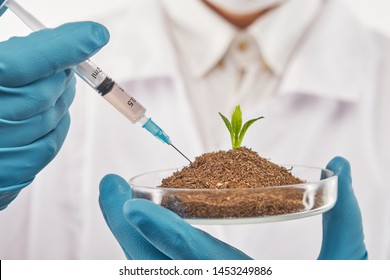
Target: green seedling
x: 236, y: 129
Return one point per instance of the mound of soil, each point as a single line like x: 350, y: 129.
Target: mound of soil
x: 232, y: 184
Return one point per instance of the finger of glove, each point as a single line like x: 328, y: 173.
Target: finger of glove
x: 114, y: 192
x: 8, y: 194
x: 23, y: 132
x: 3, y: 9
x: 29, y: 100
x: 342, y: 226
x: 20, y: 164
x: 7, y: 198
x: 173, y: 236
x: 26, y: 59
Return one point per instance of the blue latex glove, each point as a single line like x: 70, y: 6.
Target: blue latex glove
x: 3, y: 9
x: 342, y: 226
x: 35, y: 94
x: 148, y: 231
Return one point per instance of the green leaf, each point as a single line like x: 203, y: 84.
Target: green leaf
x: 236, y: 129
x: 229, y: 127
x: 237, y: 120
x: 236, y: 126
x: 245, y: 128
x: 227, y: 122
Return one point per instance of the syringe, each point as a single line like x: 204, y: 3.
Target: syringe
x: 101, y: 82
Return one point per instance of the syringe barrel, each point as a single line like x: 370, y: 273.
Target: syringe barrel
x: 110, y: 90
x: 92, y: 74
x: 125, y: 104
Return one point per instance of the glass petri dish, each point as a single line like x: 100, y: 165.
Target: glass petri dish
x: 243, y: 206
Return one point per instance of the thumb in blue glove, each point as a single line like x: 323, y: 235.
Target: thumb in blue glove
x: 148, y: 231
x: 342, y: 226
x: 36, y: 91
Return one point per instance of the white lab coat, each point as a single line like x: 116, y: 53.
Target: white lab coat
x: 58, y: 216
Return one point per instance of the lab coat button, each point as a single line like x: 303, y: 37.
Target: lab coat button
x: 243, y: 46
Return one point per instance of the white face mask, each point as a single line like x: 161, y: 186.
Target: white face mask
x: 245, y: 6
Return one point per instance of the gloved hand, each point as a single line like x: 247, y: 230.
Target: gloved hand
x: 148, y: 231
x: 35, y: 94
x: 342, y: 226
x: 3, y: 9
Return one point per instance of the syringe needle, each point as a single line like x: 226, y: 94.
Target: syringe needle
x: 180, y: 152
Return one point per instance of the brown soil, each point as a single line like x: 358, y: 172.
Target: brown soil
x: 234, y: 183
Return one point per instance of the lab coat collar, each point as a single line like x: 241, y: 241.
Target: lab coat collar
x: 279, y: 31
x: 335, y: 60
x: 201, y: 36
x: 197, y: 28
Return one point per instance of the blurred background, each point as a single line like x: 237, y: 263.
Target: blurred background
x: 374, y: 13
